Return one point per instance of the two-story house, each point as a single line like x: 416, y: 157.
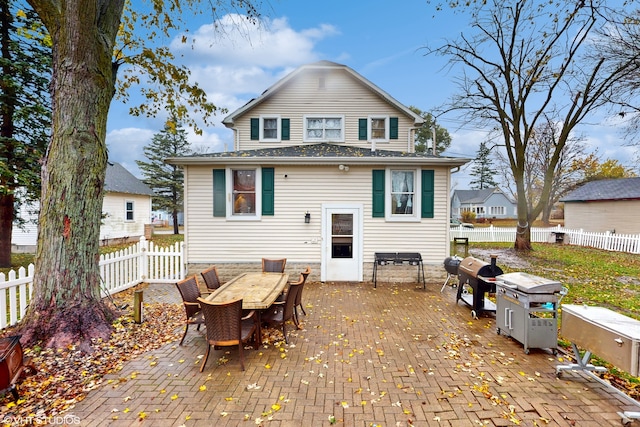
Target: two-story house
x: 323, y: 173
x: 488, y: 203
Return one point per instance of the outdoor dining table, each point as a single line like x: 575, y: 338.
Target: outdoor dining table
x: 257, y: 290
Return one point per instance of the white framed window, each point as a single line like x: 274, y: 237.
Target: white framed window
x: 378, y: 128
x: 270, y: 130
x: 402, y: 195
x: 497, y: 210
x: 323, y: 128
x: 128, y: 210
x: 244, y: 186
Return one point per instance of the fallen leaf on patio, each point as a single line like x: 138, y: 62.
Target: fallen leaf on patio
x: 203, y: 387
x: 223, y: 414
x: 228, y: 399
x: 174, y: 397
x: 142, y: 416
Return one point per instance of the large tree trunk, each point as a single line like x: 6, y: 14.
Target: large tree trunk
x: 67, y: 307
x: 7, y: 111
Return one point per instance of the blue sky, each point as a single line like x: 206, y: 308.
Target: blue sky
x: 383, y: 41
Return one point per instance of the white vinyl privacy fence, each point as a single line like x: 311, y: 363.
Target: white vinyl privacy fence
x: 608, y: 241
x: 141, y: 262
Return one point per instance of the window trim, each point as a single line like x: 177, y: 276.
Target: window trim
x: 257, y: 216
x: 132, y: 210
x: 370, y: 120
x: 415, y: 216
x: 261, y: 137
x: 305, y: 118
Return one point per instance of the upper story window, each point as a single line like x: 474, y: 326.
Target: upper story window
x: 269, y: 129
x: 318, y: 128
x: 379, y: 128
x: 128, y: 211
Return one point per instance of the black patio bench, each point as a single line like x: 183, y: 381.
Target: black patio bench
x: 398, y: 258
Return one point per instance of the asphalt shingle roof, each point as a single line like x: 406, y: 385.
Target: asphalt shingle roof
x: 319, y: 150
x: 607, y: 189
x: 120, y: 180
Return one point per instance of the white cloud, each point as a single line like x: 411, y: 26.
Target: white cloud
x: 126, y: 146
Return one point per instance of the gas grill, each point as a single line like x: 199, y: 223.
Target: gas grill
x: 480, y: 277
x: 527, y: 309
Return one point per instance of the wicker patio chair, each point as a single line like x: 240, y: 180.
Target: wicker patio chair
x: 211, y: 278
x: 273, y: 265
x: 190, y: 293
x: 227, y: 327
x: 281, y: 312
x: 298, y: 302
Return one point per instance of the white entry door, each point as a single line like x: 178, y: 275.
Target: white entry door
x: 342, y: 242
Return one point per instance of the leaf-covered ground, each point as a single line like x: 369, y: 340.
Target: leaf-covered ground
x: 64, y: 377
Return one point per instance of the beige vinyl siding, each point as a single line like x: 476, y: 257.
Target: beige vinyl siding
x: 114, y: 225
x: 342, y: 96
x: 599, y: 217
x: 286, y: 235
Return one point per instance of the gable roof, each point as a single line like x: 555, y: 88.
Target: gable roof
x: 229, y: 120
x: 120, y: 180
x: 316, y: 153
x: 606, y: 189
x: 477, y: 196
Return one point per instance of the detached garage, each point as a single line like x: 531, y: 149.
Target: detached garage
x: 606, y: 205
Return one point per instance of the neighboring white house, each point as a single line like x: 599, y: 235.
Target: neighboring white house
x: 605, y: 205
x: 489, y: 203
x: 324, y: 173
x: 126, y: 209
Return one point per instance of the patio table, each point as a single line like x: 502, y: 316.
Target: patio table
x: 257, y: 290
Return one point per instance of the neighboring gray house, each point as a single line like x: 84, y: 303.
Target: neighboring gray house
x: 126, y: 208
x: 489, y: 203
x: 605, y: 205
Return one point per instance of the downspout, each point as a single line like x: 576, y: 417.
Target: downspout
x: 411, y: 138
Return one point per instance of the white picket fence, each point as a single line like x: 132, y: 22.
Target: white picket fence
x: 138, y: 263
x: 608, y: 241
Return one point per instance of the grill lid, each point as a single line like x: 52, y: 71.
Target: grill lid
x: 474, y: 267
x: 529, y: 283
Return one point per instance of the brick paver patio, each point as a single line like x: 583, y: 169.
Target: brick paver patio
x: 397, y: 355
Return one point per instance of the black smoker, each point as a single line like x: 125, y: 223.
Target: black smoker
x: 480, y: 277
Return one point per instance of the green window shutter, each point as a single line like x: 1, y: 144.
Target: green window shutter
x: 377, y: 181
x: 285, y: 123
x: 267, y: 191
x: 219, y: 193
x: 427, y: 194
x: 362, y: 129
x: 393, y: 128
x: 255, y: 129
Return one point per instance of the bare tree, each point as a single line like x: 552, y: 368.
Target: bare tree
x: 524, y: 61
x: 565, y: 176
